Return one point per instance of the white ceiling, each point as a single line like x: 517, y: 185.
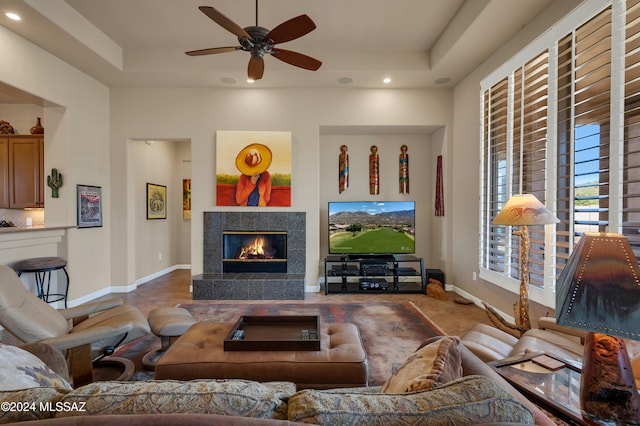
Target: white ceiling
x: 141, y: 43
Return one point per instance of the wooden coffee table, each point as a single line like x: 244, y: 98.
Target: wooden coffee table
x: 199, y: 353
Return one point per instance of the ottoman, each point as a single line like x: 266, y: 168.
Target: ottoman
x: 199, y: 354
x: 168, y: 324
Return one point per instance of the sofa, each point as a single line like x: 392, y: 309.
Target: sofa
x: 490, y: 344
x: 441, y: 383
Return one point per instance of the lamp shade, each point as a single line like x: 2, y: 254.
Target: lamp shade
x: 599, y: 288
x: 524, y: 209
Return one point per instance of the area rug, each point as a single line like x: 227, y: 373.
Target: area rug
x: 390, y: 332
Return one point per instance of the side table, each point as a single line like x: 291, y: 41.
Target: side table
x: 557, y: 390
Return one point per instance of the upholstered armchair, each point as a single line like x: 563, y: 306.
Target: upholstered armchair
x: 87, y: 332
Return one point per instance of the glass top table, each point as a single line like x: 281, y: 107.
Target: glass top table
x: 552, y: 382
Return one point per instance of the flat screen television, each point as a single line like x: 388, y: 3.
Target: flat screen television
x: 372, y: 227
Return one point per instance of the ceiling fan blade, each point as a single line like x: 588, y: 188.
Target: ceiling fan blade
x: 291, y: 29
x: 224, y: 22
x: 256, y: 68
x: 212, y: 50
x: 297, y: 59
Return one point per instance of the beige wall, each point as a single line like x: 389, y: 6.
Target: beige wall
x: 76, y: 120
x: 421, y: 184
x: 159, y: 243
x: 196, y: 114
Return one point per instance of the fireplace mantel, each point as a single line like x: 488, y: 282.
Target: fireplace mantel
x: 215, y: 284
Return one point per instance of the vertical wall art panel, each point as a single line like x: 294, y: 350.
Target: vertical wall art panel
x: 403, y: 171
x: 374, y: 171
x: 186, y: 198
x: 253, y: 168
x: 439, y: 205
x: 343, y: 169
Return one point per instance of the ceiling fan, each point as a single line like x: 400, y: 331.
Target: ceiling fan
x: 260, y: 41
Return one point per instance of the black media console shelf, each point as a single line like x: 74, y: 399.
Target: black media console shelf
x: 374, y: 274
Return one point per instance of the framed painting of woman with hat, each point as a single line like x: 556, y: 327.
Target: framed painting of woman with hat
x: 253, y: 168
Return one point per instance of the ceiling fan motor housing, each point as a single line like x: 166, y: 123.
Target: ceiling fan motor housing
x: 258, y: 46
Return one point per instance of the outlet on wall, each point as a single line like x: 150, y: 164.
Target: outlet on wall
x: 159, y: 256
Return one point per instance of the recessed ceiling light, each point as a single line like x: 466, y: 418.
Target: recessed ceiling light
x: 386, y: 80
x: 443, y: 80
x: 345, y: 80
x: 13, y: 16
x: 229, y: 80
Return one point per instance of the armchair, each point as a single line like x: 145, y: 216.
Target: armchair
x: 87, y: 332
x: 492, y: 344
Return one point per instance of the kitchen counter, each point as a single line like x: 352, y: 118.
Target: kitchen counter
x: 24, y: 242
x: 14, y: 229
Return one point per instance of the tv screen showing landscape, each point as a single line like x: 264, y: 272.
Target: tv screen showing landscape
x: 372, y: 227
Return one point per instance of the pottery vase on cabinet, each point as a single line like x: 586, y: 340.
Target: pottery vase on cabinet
x: 37, y: 129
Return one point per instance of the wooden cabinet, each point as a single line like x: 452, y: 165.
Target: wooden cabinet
x: 4, y: 172
x: 21, y: 171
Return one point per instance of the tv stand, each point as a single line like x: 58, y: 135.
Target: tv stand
x: 357, y: 257
x: 374, y: 274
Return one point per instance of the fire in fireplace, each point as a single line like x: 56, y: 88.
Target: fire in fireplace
x: 254, y: 251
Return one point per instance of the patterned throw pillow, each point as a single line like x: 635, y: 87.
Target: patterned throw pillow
x: 20, y: 369
x: 434, y: 364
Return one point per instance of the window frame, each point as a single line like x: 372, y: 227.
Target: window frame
x: 545, y: 294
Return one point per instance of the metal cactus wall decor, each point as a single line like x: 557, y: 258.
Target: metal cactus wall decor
x: 54, y: 181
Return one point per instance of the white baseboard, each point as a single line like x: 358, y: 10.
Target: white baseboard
x: 158, y: 274
x: 120, y: 288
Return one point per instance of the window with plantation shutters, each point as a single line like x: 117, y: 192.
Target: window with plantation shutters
x: 516, y: 161
x: 631, y: 166
x: 572, y: 140
x: 495, y: 107
x: 583, y: 117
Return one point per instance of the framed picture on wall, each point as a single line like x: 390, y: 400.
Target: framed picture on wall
x: 253, y: 168
x: 89, y: 206
x: 156, y: 201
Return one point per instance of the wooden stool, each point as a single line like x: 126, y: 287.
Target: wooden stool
x: 168, y: 324
x: 42, y: 268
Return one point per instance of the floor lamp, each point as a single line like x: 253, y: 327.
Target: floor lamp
x: 524, y: 210
x: 599, y: 291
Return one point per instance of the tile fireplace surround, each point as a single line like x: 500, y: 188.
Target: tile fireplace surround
x: 213, y: 284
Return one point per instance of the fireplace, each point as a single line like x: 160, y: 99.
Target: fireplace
x: 217, y: 283
x: 254, y: 251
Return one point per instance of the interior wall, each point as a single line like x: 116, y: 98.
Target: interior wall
x: 183, y: 160
x: 420, y: 184
x: 158, y: 242
x: 439, y: 233
x: 76, y: 120
x: 196, y: 114
x: 465, y: 187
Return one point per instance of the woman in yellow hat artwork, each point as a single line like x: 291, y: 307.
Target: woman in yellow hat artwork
x: 254, y: 184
